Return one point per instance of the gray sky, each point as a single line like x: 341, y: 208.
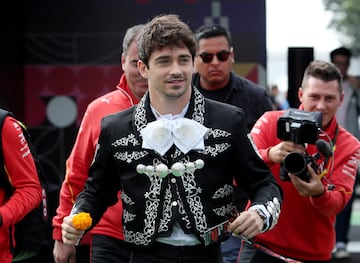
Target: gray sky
x: 295, y: 23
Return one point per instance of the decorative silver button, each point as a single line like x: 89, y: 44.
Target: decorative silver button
x: 149, y: 170
x: 199, y: 164
x: 140, y: 168
x: 190, y: 167
x: 178, y: 169
x: 161, y: 170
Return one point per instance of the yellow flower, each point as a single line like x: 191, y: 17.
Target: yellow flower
x: 82, y: 221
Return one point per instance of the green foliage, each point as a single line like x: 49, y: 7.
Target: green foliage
x: 346, y: 21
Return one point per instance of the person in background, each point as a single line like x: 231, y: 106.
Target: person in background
x: 284, y: 104
x: 312, y: 199
x: 21, y: 171
x: 108, y: 233
x: 174, y: 157
x: 347, y: 115
x: 216, y: 80
x: 274, y: 96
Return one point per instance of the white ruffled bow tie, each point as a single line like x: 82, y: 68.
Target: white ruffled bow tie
x: 185, y: 133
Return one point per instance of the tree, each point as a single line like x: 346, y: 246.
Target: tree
x: 346, y: 21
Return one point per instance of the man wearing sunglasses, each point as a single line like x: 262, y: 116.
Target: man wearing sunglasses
x: 216, y: 80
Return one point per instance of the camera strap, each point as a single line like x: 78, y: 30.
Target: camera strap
x: 333, y: 146
x: 333, y: 141
x: 329, y: 161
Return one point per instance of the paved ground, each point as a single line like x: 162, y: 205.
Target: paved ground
x: 354, y: 236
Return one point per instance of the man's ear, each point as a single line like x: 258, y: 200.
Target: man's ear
x: 142, y: 69
x: 123, y: 57
x: 342, y: 96
x: 300, y: 93
x: 232, y: 55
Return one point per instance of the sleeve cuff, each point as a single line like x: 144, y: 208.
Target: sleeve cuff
x: 264, y: 214
x: 270, y: 212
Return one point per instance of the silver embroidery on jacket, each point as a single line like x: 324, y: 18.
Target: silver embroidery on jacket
x: 129, y: 157
x: 215, y: 149
x: 128, y: 216
x: 152, y: 197
x: 167, y: 212
x: 199, y: 110
x: 140, y: 115
x: 223, y: 192
x: 130, y: 139
x: 152, y: 203
x: 224, y: 210
x: 183, y: 214
x: 193, y: 199
x: 126, y: 199
x: 217, y: 133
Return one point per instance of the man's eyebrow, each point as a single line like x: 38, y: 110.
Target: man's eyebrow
x: 185, y: 56
x: 162, y: 57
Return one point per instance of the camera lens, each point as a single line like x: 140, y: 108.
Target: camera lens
x: 295, y: 163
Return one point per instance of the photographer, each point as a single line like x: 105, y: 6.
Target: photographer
x: 305, y: 231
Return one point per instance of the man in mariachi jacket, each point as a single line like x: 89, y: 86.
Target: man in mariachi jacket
x: 174, y: 156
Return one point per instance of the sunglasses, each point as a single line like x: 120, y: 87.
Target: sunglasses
x: 221, y: 56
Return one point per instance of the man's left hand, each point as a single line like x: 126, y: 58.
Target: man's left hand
x: 248, y: 224
x: 312, y: 188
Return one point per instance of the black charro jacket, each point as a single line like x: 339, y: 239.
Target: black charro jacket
x: 198, y: 200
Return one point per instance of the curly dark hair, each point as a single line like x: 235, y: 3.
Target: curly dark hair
x: 165, y: 31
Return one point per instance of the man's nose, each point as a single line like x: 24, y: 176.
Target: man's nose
x: 321, y: 105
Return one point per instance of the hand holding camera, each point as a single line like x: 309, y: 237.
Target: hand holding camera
x: 300, y: 127
x: 278, y: 152
x: 312, y: 187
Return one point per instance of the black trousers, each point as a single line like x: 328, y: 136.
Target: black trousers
x: 105, y: 249
x: 109, y: 250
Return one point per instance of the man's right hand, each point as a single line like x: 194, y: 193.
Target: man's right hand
x: 64, y: 253
x: 278, y: 152
x: 70, y: 235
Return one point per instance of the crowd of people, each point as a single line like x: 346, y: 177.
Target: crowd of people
x: 184, y: 162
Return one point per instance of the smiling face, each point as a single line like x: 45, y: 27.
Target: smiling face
x: 169, y: 75
x: 216, y: 73
x: 323, y: 96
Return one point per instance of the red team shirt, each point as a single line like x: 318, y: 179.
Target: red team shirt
x: 306, y: 224
x: 80, y: 159
x: 22, y: 173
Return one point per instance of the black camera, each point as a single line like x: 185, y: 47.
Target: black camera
x: 299, y: 127
x: 296, y: 164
